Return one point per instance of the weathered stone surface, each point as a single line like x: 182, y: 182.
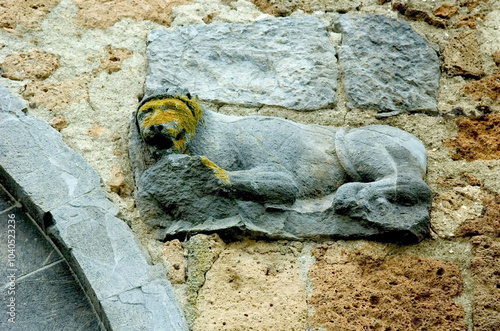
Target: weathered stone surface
x: 42, y: 161
x: 454, y: 207
x: 486, y: 224
x: 288, y: 62
x: 487, y: 87
x: 113, y: 60
x: 273, y: 177
x: 29, y: 65
x: 203, y: 251
x: 9, y: 103
x: 462, y: 55
x: 386, y: 65
x: 59, y: 122
x: 99, y: 14
x: 173, y: 253
x: 112, y: 263
x: 63, y: 191
x: 418, y: 11
x: 286, y: 7
x: 355, y: 291
x: 446, y: 10
x: 27, y: 13
x: 496, y: 57
x: 253, y: 286
x: 149, y: 307
x: 95, y: 238
x: 469, y: 20
x: 477, y: 139
x: 485, y: 268
x: 57, y: 95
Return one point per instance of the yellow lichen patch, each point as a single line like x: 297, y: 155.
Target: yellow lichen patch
x: 180, y: 145
x: 219, y: 172
x: 172, y: 109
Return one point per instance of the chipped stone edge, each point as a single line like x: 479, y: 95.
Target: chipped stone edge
x: 155, y: 292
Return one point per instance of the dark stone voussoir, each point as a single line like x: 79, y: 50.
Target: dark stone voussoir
x: 288, y: 62
x: 63, y: 192
x: 386, y: 65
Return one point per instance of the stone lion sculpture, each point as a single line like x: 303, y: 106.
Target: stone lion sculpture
x: 198, y: 170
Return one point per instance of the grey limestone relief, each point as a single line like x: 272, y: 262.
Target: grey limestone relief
x: 271, y: 177
x: 197, y: 170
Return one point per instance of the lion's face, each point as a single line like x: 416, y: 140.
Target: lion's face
x: 169, y: 122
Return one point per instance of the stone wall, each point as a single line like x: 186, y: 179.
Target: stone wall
x: 81, y: 67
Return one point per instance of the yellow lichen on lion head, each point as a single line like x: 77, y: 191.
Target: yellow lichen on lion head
x: 169, y: 122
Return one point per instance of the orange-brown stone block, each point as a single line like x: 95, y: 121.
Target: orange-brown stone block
x: 477, y: 139
x: 28, y: 13
x: 485, y: 267
x: 487, y: 87
x: 488, y: 223
x: 446, y: 10
x: 356, y: 292
x: 462, y: 56
x: 29, y: 65
x: 103, y: 14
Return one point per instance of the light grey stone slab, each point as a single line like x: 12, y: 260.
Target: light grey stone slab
x: 287, y: 62
x: 64, y: 191
x: 114, y: 265
x: 10, y: 103
x: 152, y: 301
x: 386, y: 65
x: 48, y: 173
x: 104, y: 247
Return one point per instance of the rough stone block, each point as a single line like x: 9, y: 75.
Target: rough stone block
x: 287, y: 62
x: 386, y: 65
x: 355, y: 290
x: 484, y: 270
x: 462, y: 55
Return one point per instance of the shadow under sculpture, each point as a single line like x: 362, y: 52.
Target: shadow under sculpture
x: 200, y: 171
